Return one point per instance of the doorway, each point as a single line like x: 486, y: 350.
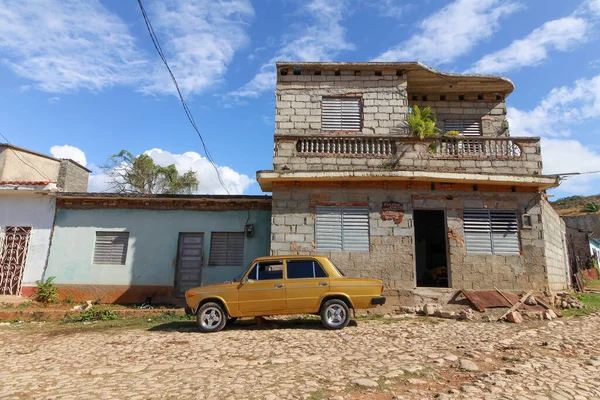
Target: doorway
x: 431, y: 251
x: 13, y: 257
x: 189, y: 262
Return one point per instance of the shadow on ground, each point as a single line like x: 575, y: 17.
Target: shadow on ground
x: 246, y: 324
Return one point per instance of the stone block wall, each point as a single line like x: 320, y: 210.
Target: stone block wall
x: 392, y: 242
x: 72, y: 177
x: 298, y: 101
x: 554, y: 229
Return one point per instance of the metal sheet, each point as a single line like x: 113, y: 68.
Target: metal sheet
x: 328, y: 228
x: 13, y: 257
x: 340, y: 113
x: 226, y: 249
x: 111, y: 248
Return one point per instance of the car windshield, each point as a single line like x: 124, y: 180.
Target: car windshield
x: 337, y: 269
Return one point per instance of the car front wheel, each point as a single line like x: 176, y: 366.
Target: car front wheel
x: 335, y: 314
x: 211, y: 317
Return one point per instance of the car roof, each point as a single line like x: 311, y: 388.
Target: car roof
x: 275, y: 258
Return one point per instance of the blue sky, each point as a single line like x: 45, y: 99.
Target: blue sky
x: 82, y: 80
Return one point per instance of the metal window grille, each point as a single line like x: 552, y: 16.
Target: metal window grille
x: 226, y: 249
x: 341, y: 114
x: 111, y: 248
x: 466, y: 127
x: 491, y: 232
x: 342, y: 228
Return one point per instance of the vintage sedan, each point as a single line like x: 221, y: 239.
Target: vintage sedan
x: 284, y: 285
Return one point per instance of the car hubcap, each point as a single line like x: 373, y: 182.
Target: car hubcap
x: 210, y: 317
x: 336, y: 315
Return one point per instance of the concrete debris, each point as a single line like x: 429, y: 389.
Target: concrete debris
x: 430, y: 309
x: 549, y: 315
x: 365, y: 383
x: 514, y: 317
x: 466, y: 315
x: 467, y: 365
x: 566, y: 300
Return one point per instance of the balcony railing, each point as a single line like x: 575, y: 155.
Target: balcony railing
x: 346, y: 146
x: 497, y: 148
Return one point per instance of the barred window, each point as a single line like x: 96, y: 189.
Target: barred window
x: 111, y: 248
x: 491, y: 232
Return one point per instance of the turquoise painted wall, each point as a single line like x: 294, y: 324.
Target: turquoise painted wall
x: 153, y: 238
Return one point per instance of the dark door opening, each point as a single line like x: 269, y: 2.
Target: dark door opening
x: 430, y: 248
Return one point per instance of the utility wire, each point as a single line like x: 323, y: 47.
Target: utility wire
x: 23, y: 161
x: 188, y: 113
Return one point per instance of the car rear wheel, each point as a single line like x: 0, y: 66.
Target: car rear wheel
x: 335, y: 314
x: 211, y: 317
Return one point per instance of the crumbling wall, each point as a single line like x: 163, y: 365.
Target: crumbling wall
x: 392, y: 241
x: 556, y: 259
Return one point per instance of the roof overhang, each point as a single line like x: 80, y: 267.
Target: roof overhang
x: 420, y: 77
x: 541, y: 182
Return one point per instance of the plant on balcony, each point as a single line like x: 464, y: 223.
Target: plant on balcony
x: 452, y: 133
x: 422, y: 122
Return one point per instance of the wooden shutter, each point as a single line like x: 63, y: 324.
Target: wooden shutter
x: 477, y: 229
x: 226, y: 249
x: 328, y: 228
x: 342, y: 228
x: 505, y: 232
x: 355, y: 233
x: 465, y: 127
x: 341, y: 114
x: 111, y: 248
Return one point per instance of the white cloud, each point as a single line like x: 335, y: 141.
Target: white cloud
x: 322, y: 40
x: 564, y: 156
x: 560, y: 111
x: 67, y: 45
x: 71, y: 152
x: 54, y: 100
x: 199, y: 39
x: 593, y: 6
x: 389, y: 8
x: 452, y: 31
x: 560, y: 34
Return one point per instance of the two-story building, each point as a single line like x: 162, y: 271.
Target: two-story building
x: 350, y: 182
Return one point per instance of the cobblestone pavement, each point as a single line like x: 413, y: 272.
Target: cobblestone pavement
x: 391, y: 358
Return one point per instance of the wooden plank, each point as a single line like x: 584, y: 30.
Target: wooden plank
x: 516, y: 305
x: 548, y: 307
x: 502, y: 294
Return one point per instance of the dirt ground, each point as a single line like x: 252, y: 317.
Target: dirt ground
x: 386, y: 358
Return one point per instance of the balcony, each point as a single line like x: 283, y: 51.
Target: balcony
x: 506, y: 155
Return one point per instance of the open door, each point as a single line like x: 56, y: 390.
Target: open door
x: 431, y: 248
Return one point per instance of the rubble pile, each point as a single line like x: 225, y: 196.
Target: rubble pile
x: 566, y: 300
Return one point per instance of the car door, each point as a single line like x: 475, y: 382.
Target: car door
x: 305, y: 285
x: 263, y: 290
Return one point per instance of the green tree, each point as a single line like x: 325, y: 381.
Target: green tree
x: 591, y: 207
x: 141, y: 175
x: 422, y: 122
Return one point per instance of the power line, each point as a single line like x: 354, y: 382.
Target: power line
x: 23, y: 161
x: 188, y: 113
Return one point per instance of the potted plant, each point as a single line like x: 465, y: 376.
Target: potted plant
x: 422, y: 122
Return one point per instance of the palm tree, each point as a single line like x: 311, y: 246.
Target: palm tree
x: 422, y: 122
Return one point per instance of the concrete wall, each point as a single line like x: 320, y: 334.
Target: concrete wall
x: 392, y: 243
x: 152, y: 253
x: 16, y: 169
x: 37, y: 212
x: 72, y: 178
x: 554, y: 230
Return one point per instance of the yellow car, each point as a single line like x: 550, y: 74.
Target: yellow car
x: 284, y: 285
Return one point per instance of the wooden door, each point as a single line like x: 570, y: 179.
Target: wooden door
x: 189, y: 262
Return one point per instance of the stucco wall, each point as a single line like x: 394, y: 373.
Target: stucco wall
x: 554, y: 250
x: 37, y: 212
x: 153, y: 238
x: 392, y: 243
x: 16, y: 170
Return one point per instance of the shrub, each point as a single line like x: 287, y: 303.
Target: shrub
x: 47, y: 292
x: 93, y: 315
x: 591, y: 207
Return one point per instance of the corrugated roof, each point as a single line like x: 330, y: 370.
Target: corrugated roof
x: 26, y: 183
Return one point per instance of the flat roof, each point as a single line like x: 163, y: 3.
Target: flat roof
x: 211, y: 197
x: 35, y: 153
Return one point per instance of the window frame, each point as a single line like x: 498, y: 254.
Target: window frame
x: 495, y: 220
x: 212, y: 261
x: 315, y: 263
x: 342, y: 116
x: 256, y: 266
x: 125, y: 247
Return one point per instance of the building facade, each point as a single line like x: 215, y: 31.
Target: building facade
x: 28, y: 184
x: 119, y: 248
x: 464, y: 209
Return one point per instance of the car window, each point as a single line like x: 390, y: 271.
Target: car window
x: 266, y: 270
x: 304, y: 269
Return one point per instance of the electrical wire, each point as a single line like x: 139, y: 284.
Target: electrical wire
x: 188, y: 113
x: 23, y: 161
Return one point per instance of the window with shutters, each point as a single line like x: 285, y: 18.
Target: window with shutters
x: 111, y: 248
x: 226, y: 249
x: 466, y: 127
x: 342, y: 228
x: 491, y: 232
x: 341, y: 114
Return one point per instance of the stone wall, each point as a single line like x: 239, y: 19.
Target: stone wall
x: 554, y: 230
x: 72, y: 177
x: 392, y: 243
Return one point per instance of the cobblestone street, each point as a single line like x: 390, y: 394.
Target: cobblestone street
x: 402, y: 358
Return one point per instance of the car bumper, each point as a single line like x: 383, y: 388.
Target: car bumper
x: 378, y: 301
